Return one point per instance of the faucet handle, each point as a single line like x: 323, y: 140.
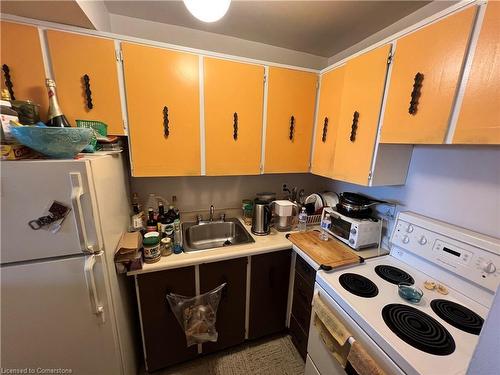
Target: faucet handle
x: 222, y: 216
x: 198, y: 219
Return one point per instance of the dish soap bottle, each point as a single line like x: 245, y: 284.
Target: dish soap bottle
x: 325, y: 225
x: 301, y: 227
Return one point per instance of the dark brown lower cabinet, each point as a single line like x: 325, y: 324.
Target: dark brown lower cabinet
x: 230, y: 322
x: 164, y: 338
x: 270, y: 277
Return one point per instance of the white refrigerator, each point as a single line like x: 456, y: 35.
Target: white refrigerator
x: 62, y: 304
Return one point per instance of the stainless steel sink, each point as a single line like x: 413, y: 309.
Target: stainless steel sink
x: 214, y: 234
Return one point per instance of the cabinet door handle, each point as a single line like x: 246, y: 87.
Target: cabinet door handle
x: 8, y: 81
x: 235, y: 126
x: 325, y: 130
x: 292, y: 127
x: 415, y: 94
x: 88, y: 93
x: 354, y: 126
x: 166, y: 121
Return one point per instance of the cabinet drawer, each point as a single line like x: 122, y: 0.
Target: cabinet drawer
x: 305, y: 270
x: 299, y: 337
x: 301, y: 306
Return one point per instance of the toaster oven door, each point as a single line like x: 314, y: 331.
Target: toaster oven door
x: 340, y: 227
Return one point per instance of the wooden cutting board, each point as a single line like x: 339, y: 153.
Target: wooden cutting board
x: 328, y: 254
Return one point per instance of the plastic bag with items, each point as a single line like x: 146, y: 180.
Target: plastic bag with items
x: 197, y: 315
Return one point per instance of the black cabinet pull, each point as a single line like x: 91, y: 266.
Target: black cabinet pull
x: 415, y: 94
x: 292, y: 127
x: 325, y: 130
x: 235, y: 126
x: 8, y: 81
x: 88, y: 93
x: 166, y: 121
x: 354, y: 127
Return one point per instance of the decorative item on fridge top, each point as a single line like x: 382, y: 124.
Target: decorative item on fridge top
x: 56, y: 117
x: 7, y: 114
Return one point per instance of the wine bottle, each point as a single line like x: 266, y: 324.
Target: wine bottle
x: 56, y: 118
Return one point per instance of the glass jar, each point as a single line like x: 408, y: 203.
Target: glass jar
x: 247, y: 211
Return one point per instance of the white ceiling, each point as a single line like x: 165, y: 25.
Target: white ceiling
x: 66, y: 12
x: 322, y: 28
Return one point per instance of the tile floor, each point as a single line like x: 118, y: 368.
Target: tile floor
x: 271, y: 356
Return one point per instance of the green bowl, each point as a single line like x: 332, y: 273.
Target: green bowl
x: 61, y: 143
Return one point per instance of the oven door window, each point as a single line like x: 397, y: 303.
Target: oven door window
x: 340, y: 227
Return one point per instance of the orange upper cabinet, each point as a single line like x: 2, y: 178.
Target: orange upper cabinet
x: 76, y: 56
x: 328, y: 119
x: 479, y: 118
x: 21, y: 58
x: 364, y: 81
x: 163, y: 110
x: 233, y: 117
x: 290, y: 117
x: 424, y: 80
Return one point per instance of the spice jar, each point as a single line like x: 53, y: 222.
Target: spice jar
x: 166, y: 246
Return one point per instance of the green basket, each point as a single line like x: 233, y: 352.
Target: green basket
x: 100, y: 128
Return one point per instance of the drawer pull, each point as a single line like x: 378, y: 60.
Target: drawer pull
x: 235, y: 126
x: 8, y: 81
x: 325, y: 130
x: 166, y: 122
x: 292, y: 127
x: 354, y: 126
x: 415, y: 94
x: 88, y: 93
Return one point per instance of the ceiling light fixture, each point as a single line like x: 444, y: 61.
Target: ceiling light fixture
x: 207, y: 10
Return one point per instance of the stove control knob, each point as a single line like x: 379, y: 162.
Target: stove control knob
x: 406, y: 239
x: 488, y: 267
x: 409, y: 228
x: 353, y: 231
x: 351, y: 241
x: 422, y: 240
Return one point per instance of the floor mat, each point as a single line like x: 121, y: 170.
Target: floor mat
x: 271, y: 356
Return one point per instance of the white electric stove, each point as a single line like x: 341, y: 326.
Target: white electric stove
x: 438, y: 335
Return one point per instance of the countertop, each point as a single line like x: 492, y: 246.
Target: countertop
x: 275, y: 241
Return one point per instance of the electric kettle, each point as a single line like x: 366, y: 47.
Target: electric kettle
x: 261, y: 222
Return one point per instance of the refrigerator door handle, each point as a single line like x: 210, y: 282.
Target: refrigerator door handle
x: 76, y: 201
x: 97, y: 307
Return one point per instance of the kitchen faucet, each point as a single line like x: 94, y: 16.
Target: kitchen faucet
x: 211, y: 212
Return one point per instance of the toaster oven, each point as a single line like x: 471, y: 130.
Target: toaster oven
x: 357, y: 233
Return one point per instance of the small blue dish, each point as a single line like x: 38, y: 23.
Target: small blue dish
x: 60, y: 143
x: 410, y: 292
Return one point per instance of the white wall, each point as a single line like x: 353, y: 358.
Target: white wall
x: 456, y: 184
x: 187, y: 37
